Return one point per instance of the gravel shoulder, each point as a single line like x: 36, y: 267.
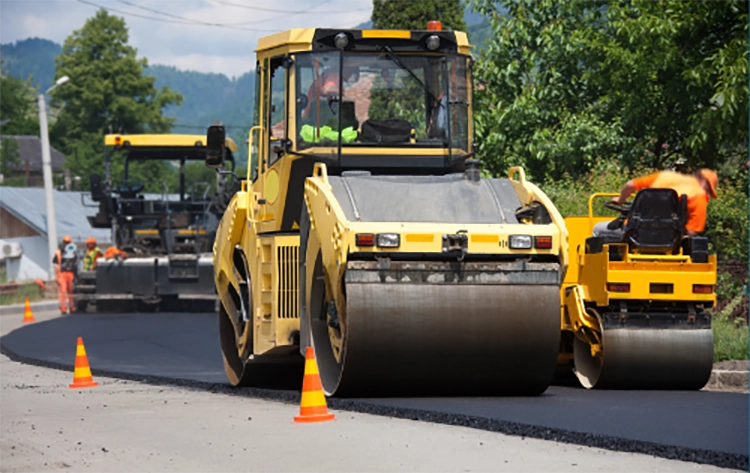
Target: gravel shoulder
x: 124, y: 426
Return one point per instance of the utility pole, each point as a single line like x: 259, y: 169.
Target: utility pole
x: 47, y: 171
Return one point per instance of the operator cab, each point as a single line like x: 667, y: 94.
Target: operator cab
x: 385, y: 101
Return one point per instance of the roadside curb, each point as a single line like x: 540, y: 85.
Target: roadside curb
x: 726, y: 380
x: 17, y: 309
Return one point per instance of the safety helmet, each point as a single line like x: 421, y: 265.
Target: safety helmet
x: 91, y: 241
x: 67, y: 239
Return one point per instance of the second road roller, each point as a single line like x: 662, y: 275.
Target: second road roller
x: 364, y: 229
x: 635, y: 303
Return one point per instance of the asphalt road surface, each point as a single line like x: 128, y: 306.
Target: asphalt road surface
x: 704, y: 427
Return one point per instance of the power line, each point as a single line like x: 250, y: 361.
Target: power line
x: 184, y: 21
x: 329, y: 12
x: 191, y: 20
x: 306, y: 10
x: 160, y: 12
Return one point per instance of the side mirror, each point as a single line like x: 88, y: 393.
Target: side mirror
x: 97, y: 188
x: 215, y: 143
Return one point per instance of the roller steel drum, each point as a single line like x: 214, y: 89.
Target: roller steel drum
x: 647, y: 359
x: 442, y: 339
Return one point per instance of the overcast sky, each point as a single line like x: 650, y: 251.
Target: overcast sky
x: 176, y: 32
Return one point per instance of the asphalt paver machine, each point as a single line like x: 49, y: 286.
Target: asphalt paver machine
x: 167, y: 236
x: 365, y: 230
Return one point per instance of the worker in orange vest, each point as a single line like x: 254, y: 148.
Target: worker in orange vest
x: 113, y: 252
x: 699, y: 187
x: 92, y: 254
x: 66, y: 266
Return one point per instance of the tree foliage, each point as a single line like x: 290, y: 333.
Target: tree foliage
x: 414, y: 14
x: 108, y: 92
x: 9, y: 157
x: 18, y: 105
x: 564, y: 85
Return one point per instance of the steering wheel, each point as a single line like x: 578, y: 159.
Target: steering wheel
x: 624, y: 209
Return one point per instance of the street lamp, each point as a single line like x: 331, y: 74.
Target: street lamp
x: 47, y: 171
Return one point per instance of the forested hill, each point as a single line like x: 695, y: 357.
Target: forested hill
x: 31, y: 58
x: 208, y: 97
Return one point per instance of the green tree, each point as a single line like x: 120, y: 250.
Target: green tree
x: 18, y: 105
x: 108, y: 92
x: 563, y: 85
x: 9, y: 156
x: 414, y: 14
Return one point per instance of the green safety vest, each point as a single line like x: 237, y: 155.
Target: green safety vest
x: 309, y: 135
x: 90, y: 258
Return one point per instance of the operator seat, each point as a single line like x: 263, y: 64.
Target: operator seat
x: 656, y: 223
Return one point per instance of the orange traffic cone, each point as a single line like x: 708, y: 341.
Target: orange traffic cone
x: 312, y: 406
x: 82, y: 373
x: 28, y: 316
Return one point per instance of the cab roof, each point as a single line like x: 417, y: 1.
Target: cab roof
x: 162, y: 141
x: 320, y: 39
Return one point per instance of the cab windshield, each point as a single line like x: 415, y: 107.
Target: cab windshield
x: 382, y: 99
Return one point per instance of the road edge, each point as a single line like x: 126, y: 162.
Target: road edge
x: 670, y: 452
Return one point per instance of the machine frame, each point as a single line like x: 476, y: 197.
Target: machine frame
x: 288, y: 244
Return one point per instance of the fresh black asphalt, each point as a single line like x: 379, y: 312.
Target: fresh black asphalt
x: 705, y: 427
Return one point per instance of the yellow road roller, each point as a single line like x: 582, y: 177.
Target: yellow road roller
x: 634, y: 300
x: 364, y: 229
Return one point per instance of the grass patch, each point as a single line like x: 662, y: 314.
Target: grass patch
x: 730, y: 333
x: 30, y: 290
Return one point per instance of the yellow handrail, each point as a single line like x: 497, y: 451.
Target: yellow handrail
x: 521, y: 174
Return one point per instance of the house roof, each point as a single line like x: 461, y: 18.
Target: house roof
x: 28, y: 205
x: 30, y: 149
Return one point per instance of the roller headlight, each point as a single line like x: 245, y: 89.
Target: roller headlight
x: 520, y: 242
x: 341, y: 40
x: 388, y: 240
x: 433, y: 42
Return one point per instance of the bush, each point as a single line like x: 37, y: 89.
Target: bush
x: 730, y: 334
x: 727, y: 221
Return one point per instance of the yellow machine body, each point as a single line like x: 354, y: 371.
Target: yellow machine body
x: 468, y: 266
x: 652, y: 352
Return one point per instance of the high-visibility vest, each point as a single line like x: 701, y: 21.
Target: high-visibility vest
x: 89, y: 259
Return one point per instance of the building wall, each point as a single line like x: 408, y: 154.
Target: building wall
x: 11, y: 227
x: 33, y: 263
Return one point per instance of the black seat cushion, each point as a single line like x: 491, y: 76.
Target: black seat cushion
x: 656, y: 223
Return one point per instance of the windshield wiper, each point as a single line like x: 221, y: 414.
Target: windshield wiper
x: 400, y: 64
